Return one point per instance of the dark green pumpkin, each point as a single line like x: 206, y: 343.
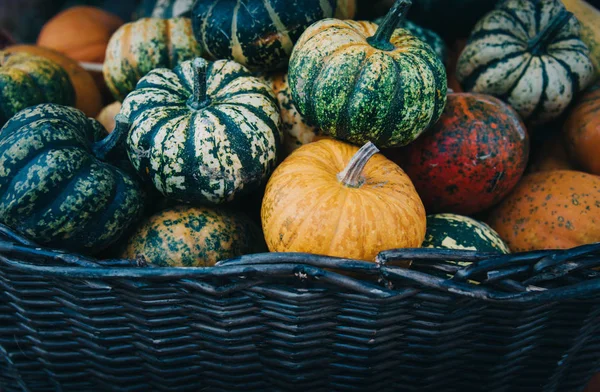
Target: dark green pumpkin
x: 426, y: 35
x: 451, y: 231
x: 203, y: 132
x: 358, y: 82
x: 257, y: 34
x: 54, y: 185
x: 528, y: 53
x: 27, y: 80
x: 184, y: 236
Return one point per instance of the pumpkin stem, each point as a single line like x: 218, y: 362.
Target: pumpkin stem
x: 104, y: 147
x: 381, y: 39
x: 351, y: 176
x: 537, y: 45
x: 199, y: 100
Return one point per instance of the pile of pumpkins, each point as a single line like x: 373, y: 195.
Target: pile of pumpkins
x: 245, y: 127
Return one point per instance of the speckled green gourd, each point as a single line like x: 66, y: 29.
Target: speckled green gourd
x: 55, y: 186
x: 27, y: 80
x: 204, y: 132
x: 428, y: 36
x: 359, y: 82
x: 185, y: 236
x: 528, y: 53
x: 138, y: 47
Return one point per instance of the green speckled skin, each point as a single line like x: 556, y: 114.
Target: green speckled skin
x: 355, y: 92
x: 27, y: 80
x: 138, y: 47
x: 539, y: 81
x: 258, y: 34
x: 428, y: 36
x: 53, y: 190
x: 194, y: 237
x: 208, y: 155
x: 451, y: 231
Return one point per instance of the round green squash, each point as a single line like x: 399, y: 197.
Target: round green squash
x: 184, y: 236
x: 451, y: 231
x: 358, y: 82
x: 528, y: 53
x: 203, y: 132
x: 256, y: 33
x: 27, y: 80
x: 426, y: 35
x: 138, y: 47
x: 55, y: 185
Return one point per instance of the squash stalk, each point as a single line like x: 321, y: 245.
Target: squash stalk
x: 352, y: 176
x: 381, y: 39
x: 199, y: 99
x: 103, y: 148
x: 537, y: 45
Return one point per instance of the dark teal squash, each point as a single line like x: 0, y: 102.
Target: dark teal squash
x: 203, y: 132
x: 360, y: 82
x: 451, y: 231
x: 257, y: 34
x: 54, y: 184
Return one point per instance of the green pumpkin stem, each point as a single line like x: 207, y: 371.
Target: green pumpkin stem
x: 381, y: 39
x: 103, y: 148
x: 538, y: 44
x: 200, y: 99
x: 352, y: 176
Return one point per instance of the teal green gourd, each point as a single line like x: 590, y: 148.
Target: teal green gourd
x: 359, y: 82
x: 257, y: 34
x: 55, y: 186
x: 204, y: 132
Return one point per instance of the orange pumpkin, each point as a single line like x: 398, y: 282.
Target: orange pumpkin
x: 331, y: 198
x: 551, y: 156
x: 582, y: 131
x: 80, y: 32
x: 88, y: 98
x: 550, y: 210
x: 107, y: 115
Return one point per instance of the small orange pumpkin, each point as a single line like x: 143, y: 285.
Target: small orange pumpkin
x: 80, y: 32
x: 107, y: 115
x: 334, y: 199
x: 87, y: 96
x: 550, y: 210
x: 582, y: 131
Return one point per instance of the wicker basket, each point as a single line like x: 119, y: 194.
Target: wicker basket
x: 299, y: 322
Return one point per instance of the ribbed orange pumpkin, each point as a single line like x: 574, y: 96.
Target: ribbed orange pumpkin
x: 582, y: 131
x: 331, y: 198
x: 80, y: 32
x: 550, y: 210
x: 87, y: 95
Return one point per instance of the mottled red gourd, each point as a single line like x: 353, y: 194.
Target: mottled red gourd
x: 473, y: 157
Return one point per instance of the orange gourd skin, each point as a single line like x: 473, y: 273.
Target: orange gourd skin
x: 307, y: 209
x: 87, y: 96
x: 582, y: 131
x: 80, y: 32
x: 550, y: 210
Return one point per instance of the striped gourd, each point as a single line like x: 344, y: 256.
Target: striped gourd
x: 55, y: 184
x: 359, y: 82
x: 27, y: 80
x: 203, y: 132
x: 429, y: 36
x: 529, y: 53
x: 138, y: 47
x: 258, y: 34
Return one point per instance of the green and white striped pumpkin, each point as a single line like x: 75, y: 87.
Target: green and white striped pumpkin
x: 55, y: 185
x: 359, y: 82
x: 429, y: 36
x: 166, y: 9
x: 529, y: 53
x: 258, y: 34
x: 138, y: 47
x: 203, y: 132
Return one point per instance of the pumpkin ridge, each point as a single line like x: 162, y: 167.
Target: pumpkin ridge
x: 286, y: 41
x: 573, y: 76
x: 539, y: 43
x: 540, y: 104
x: 471, y: 79
x: 480, y: 34
x: 511, y: 14
x: 263, y: 117
x: 510, y: 90
x: 395, y: 106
